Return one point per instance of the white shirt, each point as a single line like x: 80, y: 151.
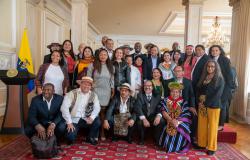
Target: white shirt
x: 78, y: 110
x: 179, y: 80
x: 110, y: 53
x: 123, y: 106
x: 55, y: 76
x: 216, y: 58
x: 135, y: 79
x: 48, y: 102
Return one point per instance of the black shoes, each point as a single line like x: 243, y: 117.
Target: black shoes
x: 195, y: 146
x: 92, y: 141
x: 141, y: 143
x: 129, y: 140
x: 114, y: 139
x: 210, y: 153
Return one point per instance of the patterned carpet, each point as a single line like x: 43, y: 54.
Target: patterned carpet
x: 121, y: 150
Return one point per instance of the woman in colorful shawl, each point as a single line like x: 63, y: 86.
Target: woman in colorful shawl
x: 82, y: 64
x: 176, y: 134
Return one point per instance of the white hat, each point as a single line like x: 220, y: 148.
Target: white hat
x: 86, y: 79
x: 125, y: 85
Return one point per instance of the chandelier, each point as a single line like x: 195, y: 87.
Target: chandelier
x: 216, y: 36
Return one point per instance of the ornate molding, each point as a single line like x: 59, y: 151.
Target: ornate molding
x: 187, y: 2
x: 7, y: 60
x: 233, y: 2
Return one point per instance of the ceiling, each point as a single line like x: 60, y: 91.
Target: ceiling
x: 149, y: 17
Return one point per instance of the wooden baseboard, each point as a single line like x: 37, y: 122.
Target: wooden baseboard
x: 236, y: 119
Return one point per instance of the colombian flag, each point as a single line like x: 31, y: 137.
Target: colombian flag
x: 24, y: 62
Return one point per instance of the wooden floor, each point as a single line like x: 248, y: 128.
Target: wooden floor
x: 243, y: 137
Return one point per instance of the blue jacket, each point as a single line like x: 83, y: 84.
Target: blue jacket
x: 40, y: 114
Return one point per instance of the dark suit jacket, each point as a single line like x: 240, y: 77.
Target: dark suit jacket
x: 141, y: 105
x: 46, y: 58
x: 40, y: 114
x: 148, y: 65
x: 187, y: 93
x: 225, y: 67
x: 197, y: 70
x: 114, y: 108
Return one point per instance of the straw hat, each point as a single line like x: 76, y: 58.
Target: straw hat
x: 126, y: 86
x: 85, y: 79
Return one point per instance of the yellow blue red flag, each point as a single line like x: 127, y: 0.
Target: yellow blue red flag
x: 24, y: 62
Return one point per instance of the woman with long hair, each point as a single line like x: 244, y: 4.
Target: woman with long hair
x: 102, y: 72
x: 157, y: 82
x: 69, y: 59
x: 122, y: 70
x: 47, y: 72
x: 177, y: 58
x: 209, y: 91
x: 217, y: 53
x: 82, y: 64
x: 167, y: 66
x: 189, y: 61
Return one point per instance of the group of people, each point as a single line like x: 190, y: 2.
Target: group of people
x: 183, y: 97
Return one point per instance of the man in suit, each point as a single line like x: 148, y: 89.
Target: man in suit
x: 137, y: 48
x: 44, y: 113
x: 152, y: 61
x: 110, y: 47
x: 149, y: 113
x: 202, y: 59
x: 124, y: 103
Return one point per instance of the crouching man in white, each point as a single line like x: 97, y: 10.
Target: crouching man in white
x: 80, y: 109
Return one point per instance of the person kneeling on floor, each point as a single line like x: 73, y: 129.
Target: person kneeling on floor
x: 121, y: 116
x: 44, y: 113
x: 80, y: 109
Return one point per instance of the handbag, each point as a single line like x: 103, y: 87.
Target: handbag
x: 120, y: 124
x: 46, y: 148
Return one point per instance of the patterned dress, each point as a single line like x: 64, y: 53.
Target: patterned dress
x: 176, y: 139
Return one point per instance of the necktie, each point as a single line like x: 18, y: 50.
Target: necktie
x: 148, y: 98
x: 148, y: 104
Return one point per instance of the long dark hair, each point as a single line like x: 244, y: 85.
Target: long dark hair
x: 217, y: 74
x: 186, y: 56
x: 71, y: 52
x: 158, y: 69
x: 92, y: 53
x: 61, y: 62
x: 180, y: 60
x: 97, y: 63
x: 222, y: 52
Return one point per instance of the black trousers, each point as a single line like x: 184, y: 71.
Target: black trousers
x: 71, y: 136
x: 193, y: 127
x: 157, y: 130
x: 224, y: 112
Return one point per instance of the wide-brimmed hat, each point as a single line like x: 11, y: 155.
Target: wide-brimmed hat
x: 146, y: 46
x: 175, y: 85
x: 126, y: 46
x: 126, y: 86
x: 85, y: 79
x: 54, y: 44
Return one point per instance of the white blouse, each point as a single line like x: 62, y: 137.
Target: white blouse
x: 55, y: 76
